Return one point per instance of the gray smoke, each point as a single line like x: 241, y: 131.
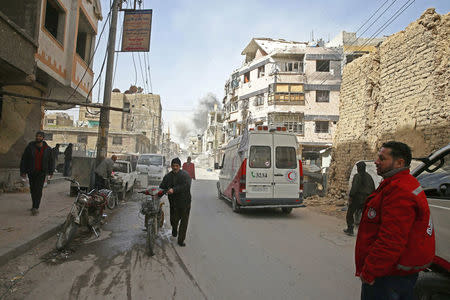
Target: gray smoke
x: 205, y: 105
x: 183, y: 129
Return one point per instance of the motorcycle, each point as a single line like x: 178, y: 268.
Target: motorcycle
x: 87, y: 210
x: 151, y: 208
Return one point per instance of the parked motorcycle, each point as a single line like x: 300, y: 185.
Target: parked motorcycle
x: 151, y: 208
x: 87, y: 210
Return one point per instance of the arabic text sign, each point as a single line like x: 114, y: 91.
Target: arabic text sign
x: 136, y: 31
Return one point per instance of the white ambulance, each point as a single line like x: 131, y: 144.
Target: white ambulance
x: 260, y: 169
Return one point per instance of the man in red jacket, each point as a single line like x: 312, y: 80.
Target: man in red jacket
x: 189, y: 167
x: 395, y: 237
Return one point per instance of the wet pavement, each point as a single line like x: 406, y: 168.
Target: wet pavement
x: 259, y: 254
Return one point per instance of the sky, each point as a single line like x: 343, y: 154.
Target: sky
x: 196, y: 44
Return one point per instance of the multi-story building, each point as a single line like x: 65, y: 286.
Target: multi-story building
x: 144, y: 116
x: 58, y: 119
x: 353, y: 46
x: 213, y: 137
x: 290, y: 84
x: 46, y: 51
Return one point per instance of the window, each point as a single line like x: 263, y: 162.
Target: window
x: 55, y: 19
x: 259, y: 100
x: 51, y: 121
x: 322, y: 96
x: 283, y: 93
x: 120, y: 167
x: 247, y: 77
x: 153, y: 160
x: 322, y: 66
x: 49, y: 136
x: 85, y: 37
x: 322, y: 126
x: 291, y: 67
x: 234, y: 106
x: 292, y: 121
x: 117, y: 140
x: 286, y: 158
x: 260, y: 157
x: 261, y: 71
x: 435, y: 178
x: 82, y: 139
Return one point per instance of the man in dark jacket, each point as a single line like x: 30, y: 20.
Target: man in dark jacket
x: 178, y: 186
x: 68, y: 159
x: 55, y: 152
x: 37, y: 162
x: 362, y: 187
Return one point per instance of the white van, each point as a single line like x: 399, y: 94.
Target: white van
x: 260, y: 169
x: 152, y: 164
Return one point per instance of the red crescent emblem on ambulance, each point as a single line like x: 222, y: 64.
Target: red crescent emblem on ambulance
x: 291, y: 175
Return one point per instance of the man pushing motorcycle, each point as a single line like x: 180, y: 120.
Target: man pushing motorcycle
x: 177, y: 183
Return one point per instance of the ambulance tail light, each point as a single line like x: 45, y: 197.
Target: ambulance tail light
x: 300, y: 168
x: 242, y: 176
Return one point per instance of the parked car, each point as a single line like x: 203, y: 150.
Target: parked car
x: 434, y: 177
x: 154, y: 165
x: 124, y: 177
x: 261, y: 170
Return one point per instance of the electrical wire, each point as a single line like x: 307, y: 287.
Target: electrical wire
x: 135, y: 69
x: 142, y: 72
x: 92, y: 56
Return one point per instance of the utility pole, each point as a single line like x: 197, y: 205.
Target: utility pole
x: 103, y: 128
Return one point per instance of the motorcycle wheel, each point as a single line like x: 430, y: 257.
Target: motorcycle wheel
x: 151, y: 236
x: 112, y: 201
x: 67, y: 233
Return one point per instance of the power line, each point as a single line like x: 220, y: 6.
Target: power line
x: 135, y: 69
x: 92, y: 56
x: 140, y: 66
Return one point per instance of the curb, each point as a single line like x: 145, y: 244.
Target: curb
x: 23, y: 247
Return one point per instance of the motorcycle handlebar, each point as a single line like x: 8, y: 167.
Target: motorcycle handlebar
x: 73, y: 181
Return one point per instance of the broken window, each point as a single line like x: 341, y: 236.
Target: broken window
x: 322, y: 126
x: 85, y: 37
x: 234, y: 106
x: 322, y: 66
x: 294, y: 122
x: 82, y: 139
x: 117, y: 140
x: 55, y: 20
x: 291, y: 67
x: 259, y: 100
x: 247, y: 77
x: 322, y: 96
x: 49, y: 136
x: 261, y: 71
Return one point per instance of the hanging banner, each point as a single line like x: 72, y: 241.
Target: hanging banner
x: 137, y: 26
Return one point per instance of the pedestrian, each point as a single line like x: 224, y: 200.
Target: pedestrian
x: 395, y: 239
x: 103, y: 173
x: 362, y: 187
x: 68, y: 160
x: 36, y: 163
x: 189, y: 167
x: 55, y: 152
x: 177, y: 183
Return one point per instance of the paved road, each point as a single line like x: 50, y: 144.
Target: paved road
x: 259, y: 254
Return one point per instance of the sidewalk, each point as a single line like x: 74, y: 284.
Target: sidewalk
x: 19, y: 231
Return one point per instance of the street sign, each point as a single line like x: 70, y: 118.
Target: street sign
x: 137, y: 26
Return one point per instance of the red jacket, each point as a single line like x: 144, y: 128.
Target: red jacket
x: 396, y: 235
x: 190, y: 168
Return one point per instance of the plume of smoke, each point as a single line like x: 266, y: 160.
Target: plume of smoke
x: 205, y: 105
x: 183, y: 129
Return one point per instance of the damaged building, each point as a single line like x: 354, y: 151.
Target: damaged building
x: 399, y: 92
x: 46, y: 51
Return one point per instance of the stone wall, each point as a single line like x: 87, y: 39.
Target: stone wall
x: 400, y: 92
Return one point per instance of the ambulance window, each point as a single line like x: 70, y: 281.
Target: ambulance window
x: 260, y: 157
x: 286, y: 158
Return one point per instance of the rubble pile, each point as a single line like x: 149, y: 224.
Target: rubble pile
x: 326, y: 205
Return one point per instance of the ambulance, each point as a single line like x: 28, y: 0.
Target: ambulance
x: 260, y: 169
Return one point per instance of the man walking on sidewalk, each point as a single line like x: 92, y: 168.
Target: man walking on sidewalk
x: 395, y: 237
x: 189, y: 167
x: 37, y: 162
x: 178, y: 186
x: 362, y: 187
